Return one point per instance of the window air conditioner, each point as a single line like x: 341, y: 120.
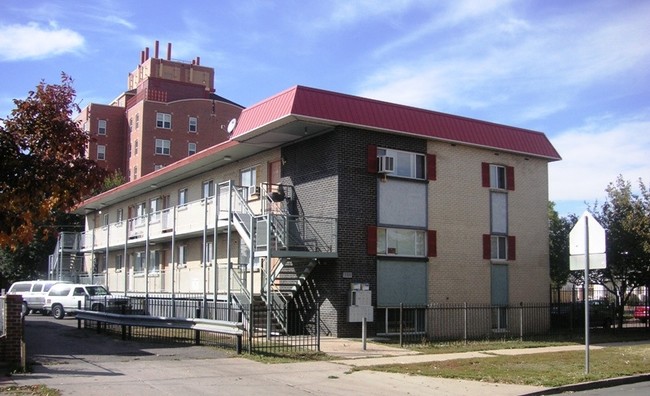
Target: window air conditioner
x: 253, y: 192
x: 386, y: 164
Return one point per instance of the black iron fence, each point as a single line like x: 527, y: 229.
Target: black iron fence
x: 464, y: 322
x: 263, y: 333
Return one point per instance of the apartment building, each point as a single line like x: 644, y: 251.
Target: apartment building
x: 321, y: 199
x: 168, y: 112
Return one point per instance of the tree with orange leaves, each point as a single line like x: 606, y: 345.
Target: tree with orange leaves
x: 43, y: 166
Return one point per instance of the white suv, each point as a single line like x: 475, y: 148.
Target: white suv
x: 33, y: 293
x: 67, y: 298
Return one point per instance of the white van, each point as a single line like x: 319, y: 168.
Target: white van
x: 66, y: 298
x: 33, y: 293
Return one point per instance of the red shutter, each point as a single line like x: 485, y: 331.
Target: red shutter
x: 487, y: 247
x: 432, y: 245
x: 510, y: 178
x: 431, y: 167
x: 485, y: 174
x: 372, y: 159
x: 512, y: 248
x: 372, y: 240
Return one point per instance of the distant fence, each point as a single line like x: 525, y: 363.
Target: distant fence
x: 464, y: 322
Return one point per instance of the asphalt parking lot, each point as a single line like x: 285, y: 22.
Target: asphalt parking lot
x: 82, y: 362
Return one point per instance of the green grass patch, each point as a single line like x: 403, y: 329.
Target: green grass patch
x: 286, y: 357
x: 542, y: 369
x: 32, y: 390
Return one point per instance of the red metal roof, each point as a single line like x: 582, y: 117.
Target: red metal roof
x: 336, y: 108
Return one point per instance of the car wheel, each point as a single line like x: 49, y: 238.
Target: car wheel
x: 25, y: 309
x: 57, y: 311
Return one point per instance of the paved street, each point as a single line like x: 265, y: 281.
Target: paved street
x: 83, y: 363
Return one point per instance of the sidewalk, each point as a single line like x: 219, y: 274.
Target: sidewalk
x: 199, y: 371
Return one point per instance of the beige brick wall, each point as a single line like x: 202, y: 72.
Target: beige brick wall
x: 459, y: 210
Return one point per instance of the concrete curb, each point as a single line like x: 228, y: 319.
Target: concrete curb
x: 583, y: 386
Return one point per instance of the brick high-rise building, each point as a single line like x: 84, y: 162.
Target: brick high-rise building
x: 169, y: 111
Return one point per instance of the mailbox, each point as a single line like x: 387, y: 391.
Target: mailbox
x: 360, y: 303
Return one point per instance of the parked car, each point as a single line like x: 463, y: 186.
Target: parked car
x: 642, y: 313
x: 601, y: 314
x: 33, y: 293
x: 67, y: 298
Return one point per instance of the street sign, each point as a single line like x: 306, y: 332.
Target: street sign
x: 587, y: 241
x: 587, y: 231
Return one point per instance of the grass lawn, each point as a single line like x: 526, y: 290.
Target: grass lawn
x: 542, y: 369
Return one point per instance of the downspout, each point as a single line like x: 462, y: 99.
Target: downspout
x: 214, y: 244
x: 146, y: 265
x: 125, y: 262
x: 205, y: 261
x: 229, y: 254
x: 173, y: 262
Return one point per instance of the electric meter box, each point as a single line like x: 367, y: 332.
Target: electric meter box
x: 360, y: 303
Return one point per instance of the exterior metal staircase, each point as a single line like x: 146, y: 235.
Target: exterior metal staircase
x: 289, y: 245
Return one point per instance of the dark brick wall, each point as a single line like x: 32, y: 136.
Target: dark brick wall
x: 331, y: 179
x: 11, y: 343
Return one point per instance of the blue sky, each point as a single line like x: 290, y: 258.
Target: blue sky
x: 578, y: 71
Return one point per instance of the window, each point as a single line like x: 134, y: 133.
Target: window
x: 138, y: 265
x: 248, y: 179
x: 101, y: 152
x: 119, y: 262
x: 86, y: 127
x: 182, y: 196
x: 498, y: 247
x: 193, y: 124
x: 208, y: 189
x: 155, y: 260
x: 105, y: 221
x: 130, y: 124
x: 101, y: 127
x: 163, y: 146
x: 155, y: 205
x: 135, y: 147
x: 401, y: 242
x: 120, y: 215
x: 191, y: 148
x: 140, y: 213
x: 137, y: 121
x: 407, y: 164
x: 182, y: 255
x: 498, y: 176
x: 135, y: 172
x: 163, y: 120
x: 157, y: 167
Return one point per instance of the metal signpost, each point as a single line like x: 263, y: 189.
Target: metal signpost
x: 587, y: 251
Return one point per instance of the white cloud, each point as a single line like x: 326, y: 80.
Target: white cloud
x: 508, y: 59
x: 32, y: 41
x: 595, y: 154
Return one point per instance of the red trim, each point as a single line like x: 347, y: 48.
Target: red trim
x: 485, y: 174
x: 487, y: 247
x: 431, y: 167
x: 512, y: 248
x: 372, y: 159
x: 372, y: 240
x: 510, y: 178
x: 432, y: 245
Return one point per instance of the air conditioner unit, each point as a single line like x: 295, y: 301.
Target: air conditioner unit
x: 386, y: 164
x: 253, y: 192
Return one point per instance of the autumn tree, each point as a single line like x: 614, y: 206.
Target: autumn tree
x: 559, y: 229
x: 43, y: 166
x: 625, y: 215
